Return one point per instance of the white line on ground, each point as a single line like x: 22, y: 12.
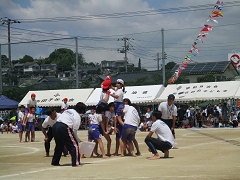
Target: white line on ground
x: 33, y: 150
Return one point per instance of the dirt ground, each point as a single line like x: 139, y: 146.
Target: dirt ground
x: 202, y: 154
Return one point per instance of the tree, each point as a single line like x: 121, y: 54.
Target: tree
x: 5, y: 60
x: 170, y: 65
x: 26, y: 58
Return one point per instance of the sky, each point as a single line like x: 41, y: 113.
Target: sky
x: 100, y: 26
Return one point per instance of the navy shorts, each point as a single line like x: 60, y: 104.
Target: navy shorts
x: 30, y: 126
x: 128, y: 132
x: 118, y: 108
x: 119, y: 133
x: 20, y: 127
x: 93, y: 132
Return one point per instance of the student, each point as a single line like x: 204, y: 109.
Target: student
x: 164, y: 141
x: 108, y: 125
x: 64, y: 105
x: 118, y: 102
x: 48, y: 123
x: 94, y: 132
x: 14, y: 128
x: 147, y: 116
x: 4, y: 127
x: 131, y: 122
x: 21, y: 121
x: 65, y: 133
x: 31, y: 103
x: 30, y: 121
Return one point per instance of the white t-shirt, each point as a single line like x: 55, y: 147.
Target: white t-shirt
x: 64, y: 106
x: 20, y: 116
x: 102, y: 96
x: 119, y: 93
x: 188, y: 112
x: 167, y: 111
x: 95, y: 118
x: 163, y: 132
x: 110, y: 115
x: 50, y: 122
x: 32, y: 103
x: 14, y: 128
x: 71, y: 118
x: 147, y: 115
x: 31, y: 117
x: 219, y: 109
x: 131, y: 116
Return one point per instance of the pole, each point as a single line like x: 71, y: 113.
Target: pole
x: 158, y: 61
x: 125, y: 51
x: 77, y: 83
x: 163, y: 57
x: 1, y: 88
x: 9, y: 53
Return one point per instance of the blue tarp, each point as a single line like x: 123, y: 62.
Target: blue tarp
x: 6, y: 103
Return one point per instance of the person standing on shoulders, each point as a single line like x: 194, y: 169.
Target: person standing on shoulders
x: 169, y: 112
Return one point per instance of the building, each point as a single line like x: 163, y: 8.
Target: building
x: 49, y: 69
x: 223, y: 70
x: 113, y: 66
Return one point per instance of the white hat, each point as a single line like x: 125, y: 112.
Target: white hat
x: 120, y: 81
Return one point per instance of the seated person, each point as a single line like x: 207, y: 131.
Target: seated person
x: 185, y: 122
x: 14, y: 128
x: 4, y: 127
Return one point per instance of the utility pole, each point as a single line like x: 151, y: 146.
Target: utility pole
x: 158, y: 61
x: 163, y: 58
x: 1, y: 88
x: 9, y: 22
x: 77, y: 83
x: 125, y: 51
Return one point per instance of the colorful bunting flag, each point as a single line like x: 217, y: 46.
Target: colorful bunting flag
x: 216, y: 12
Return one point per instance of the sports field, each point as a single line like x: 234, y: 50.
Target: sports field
x: 202, y: 154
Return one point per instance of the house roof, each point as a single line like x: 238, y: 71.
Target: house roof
x: 29, y: 63
x: 18, y: 65
x: 207, y: 67
x: 133, y: 76
x: 47, y: 65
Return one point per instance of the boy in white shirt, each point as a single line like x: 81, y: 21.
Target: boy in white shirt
x: 64, y: 105
x: 30, y: 121
x: 164, y: 140
x: 65, y: 133
x: 94, y: 131
x: 21, y: 121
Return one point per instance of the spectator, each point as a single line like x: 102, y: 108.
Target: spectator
x: 219, y: 109
x: 198, y: 117
x: 4, y: 127
x: 180, y: 114
x: 147, y: 116
x: 225, y: 113
x: 185, y: 122
x: 14, y: 127
x: 233, y: 120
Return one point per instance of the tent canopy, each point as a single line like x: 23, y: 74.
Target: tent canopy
x: 6, y: 103
x: 137, y: 94
x: 201, y: 91
x: 50, y: 98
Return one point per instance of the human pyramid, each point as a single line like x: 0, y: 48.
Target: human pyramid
x: 120, y: 117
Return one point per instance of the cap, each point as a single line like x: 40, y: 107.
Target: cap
x: 106, y: 84
x: 65, y: 99
x: 33, y: 95
x: 120, y: 81
x: 22, y: 106
x: 171, y: 96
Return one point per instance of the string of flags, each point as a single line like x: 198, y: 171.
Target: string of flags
x: 193, y: 51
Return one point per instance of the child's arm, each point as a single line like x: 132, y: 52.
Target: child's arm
x: 102, y: 126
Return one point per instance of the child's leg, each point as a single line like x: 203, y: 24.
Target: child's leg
x: 109, y: 141
x: 27, y: 136
x: 32, y: 136
x: 117, y: 146
x: 131, y: 148
x: 95, y: 153
x: 99, y: 140
x: 124, y: 146
x: 136, y: 146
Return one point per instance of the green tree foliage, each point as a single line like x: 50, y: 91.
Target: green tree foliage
x: 5, y: 60
x: 170, y: 65
x: 64, y: 58
x: 26, y: 58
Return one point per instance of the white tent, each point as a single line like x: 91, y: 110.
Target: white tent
x: 237, y: 95
x: 47, y: 98
x: 137, y: 94
x: 201, y: 91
